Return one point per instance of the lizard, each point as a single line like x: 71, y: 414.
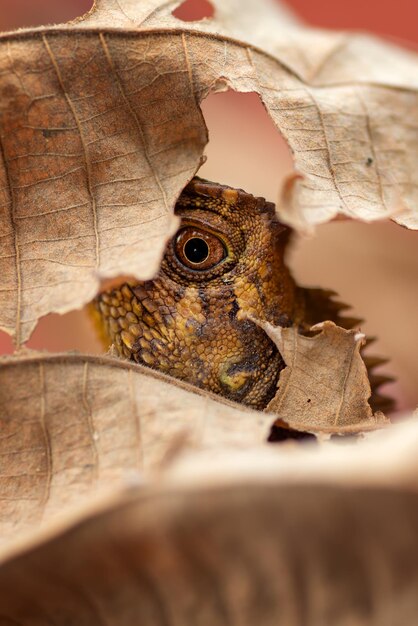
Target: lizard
x: 224, y: 267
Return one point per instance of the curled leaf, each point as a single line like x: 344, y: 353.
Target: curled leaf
x: 101, y: 129
x: 236, y: 538
x: 71, y: 425
x: 325, y: 386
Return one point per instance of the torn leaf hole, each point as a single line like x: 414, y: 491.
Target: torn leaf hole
x: 194, y: 11
x: 245, y: 149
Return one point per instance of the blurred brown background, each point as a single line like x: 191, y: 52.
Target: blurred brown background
x: 373, y: 267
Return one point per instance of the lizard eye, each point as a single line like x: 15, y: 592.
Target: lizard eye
x: 199, y: 250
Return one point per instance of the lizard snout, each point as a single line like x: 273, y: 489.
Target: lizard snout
x: 235, y: 376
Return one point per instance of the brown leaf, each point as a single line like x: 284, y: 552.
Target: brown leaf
x: 72, y: 425
x: 101, y: 129
x: 236, y: 538
x: 229, y: 17
x: 159, y: 557
x: 325, y: 386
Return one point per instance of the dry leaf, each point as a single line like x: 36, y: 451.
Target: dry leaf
x: 266, y: 537
x: 72, y: 425
x: 325, y: 386
x: 101, y: 129
x: 169, y: 557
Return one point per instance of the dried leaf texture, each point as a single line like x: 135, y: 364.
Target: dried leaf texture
x: 266, y: 553
x: 325, y: 386
x: 236, y: 18
x: 101, y: 129
x: 90, y: 174
x: 72, y: 425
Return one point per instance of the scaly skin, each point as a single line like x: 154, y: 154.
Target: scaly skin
x: 193, y: 323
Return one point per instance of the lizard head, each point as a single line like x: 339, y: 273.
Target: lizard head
x: 223, y: 268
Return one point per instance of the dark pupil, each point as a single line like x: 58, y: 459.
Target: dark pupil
x: 196, y: 250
